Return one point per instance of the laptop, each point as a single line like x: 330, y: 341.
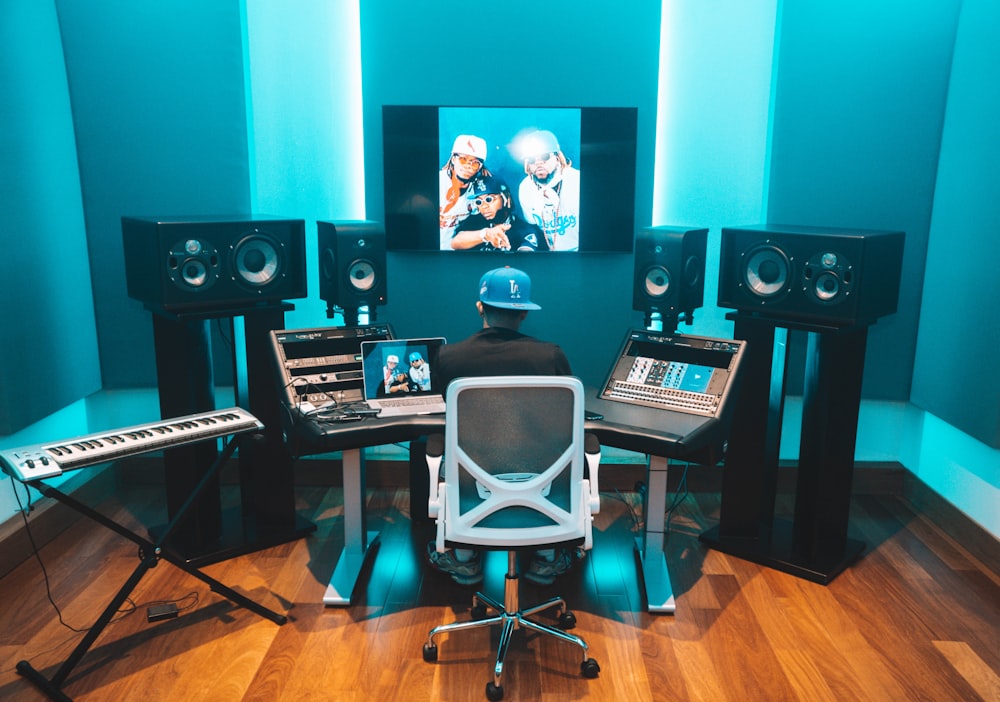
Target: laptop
x: 399, y: 376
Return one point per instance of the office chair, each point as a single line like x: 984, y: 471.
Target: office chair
x: 513, y: 453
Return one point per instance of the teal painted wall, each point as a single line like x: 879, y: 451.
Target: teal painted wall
x: 955, y: 375
x: 196, y: 124
x: 48, y: 356
x: 556, y: 54
x: 859, y: 99
x: 713, y: 120
x: 305, y: 116
x: 160, y: 113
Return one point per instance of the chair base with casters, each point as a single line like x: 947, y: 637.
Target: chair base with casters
x: 510, y: 616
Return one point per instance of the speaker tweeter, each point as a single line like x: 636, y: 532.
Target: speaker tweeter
x: 193, y: 264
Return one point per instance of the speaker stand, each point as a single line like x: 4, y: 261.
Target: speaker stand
x: 266, y: 516
x: 187, y: 386
x: 267, y: 477
x: 814, y: 544
x: 353, y: 315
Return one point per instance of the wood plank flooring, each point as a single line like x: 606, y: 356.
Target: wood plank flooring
x: 917, y: 618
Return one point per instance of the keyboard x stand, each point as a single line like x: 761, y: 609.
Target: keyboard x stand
x: 149, y: 554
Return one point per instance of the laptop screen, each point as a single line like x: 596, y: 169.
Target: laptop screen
x: 400, y: 367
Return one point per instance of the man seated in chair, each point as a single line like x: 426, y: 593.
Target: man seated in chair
x: 500, y: 349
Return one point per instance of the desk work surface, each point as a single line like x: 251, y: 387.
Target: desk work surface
x: 631, y: 427
x: 321, y: 436
x: 323, y: 366
x: 652, y: 431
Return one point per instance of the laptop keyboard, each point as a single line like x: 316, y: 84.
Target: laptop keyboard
x: 408, y: 401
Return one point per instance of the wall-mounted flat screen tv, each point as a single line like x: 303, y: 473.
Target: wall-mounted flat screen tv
x: 509, y: 179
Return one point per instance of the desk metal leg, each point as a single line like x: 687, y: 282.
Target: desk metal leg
x: 659, y: 592
x: 358, y: 542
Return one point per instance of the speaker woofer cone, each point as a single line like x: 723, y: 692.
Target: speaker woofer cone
x: 828, y: 276
x: 656, y: 282
x: 256, y: 260
x: 767, y: 271
x: 193, y: 265
x: 827, y: 286
x: 361, y: 275
x: 194, y: 273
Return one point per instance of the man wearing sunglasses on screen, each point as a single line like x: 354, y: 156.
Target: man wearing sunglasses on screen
x: 550, y: 192
x: 493, y: 225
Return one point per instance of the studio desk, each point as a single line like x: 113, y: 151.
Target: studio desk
x: 660, y: 434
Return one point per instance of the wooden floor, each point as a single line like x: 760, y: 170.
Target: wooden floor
x: 917, y: 618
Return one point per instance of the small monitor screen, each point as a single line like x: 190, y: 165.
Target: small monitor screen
x: 670, y: 374
x: 401, y: 367
x: 509, y: 179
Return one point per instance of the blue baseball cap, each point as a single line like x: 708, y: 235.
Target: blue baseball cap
x: 507, y: 288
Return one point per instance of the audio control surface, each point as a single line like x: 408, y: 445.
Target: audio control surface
x: 678, y: 372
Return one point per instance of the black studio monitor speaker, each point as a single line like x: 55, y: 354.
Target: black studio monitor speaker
x: 213, y: 262
x: 838, y: 277
x: 352, y: 266
x: 669, y: 270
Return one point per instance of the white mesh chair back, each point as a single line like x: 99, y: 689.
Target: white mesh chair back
x: 514, y: 462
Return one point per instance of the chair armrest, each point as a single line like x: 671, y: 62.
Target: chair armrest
x: 434, y: 454
x: 592, y: 454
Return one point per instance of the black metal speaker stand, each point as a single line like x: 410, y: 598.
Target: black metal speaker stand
x: 352, y: 315
x: 266, y: 516
x: 186, y: 385
x: 267, y: 479
x: 149, y: 555
x: 814, y: 544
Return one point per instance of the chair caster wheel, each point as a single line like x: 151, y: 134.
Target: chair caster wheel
x: 479, y: 612
x: 494, y: 692
x: 567, y: 620
x: 430, y: 653
x: 589, y: 668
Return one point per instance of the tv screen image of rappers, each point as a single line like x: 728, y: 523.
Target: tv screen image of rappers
x: 509, y: 179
